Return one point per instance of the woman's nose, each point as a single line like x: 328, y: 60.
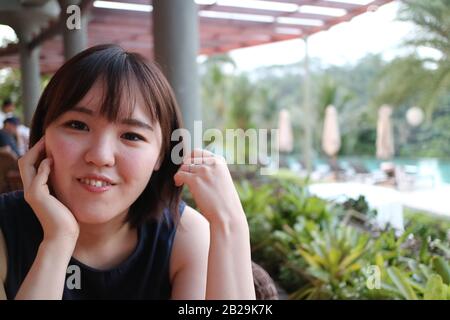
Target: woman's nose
x: 101, y: 151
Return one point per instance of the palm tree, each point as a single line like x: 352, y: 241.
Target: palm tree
x: 414, y: 79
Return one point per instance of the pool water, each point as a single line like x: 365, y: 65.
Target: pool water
x: 439, y: 169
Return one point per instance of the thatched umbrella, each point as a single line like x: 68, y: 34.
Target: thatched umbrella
x: 385, y: 141
x: 331, y: 137
x: 286, y: 143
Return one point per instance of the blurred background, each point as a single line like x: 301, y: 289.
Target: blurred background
x: 355, y: 206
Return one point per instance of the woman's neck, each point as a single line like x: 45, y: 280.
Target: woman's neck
x: 107, y: 245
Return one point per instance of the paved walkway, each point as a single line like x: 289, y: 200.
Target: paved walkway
x: 388, y: 202
x: 435, y: 200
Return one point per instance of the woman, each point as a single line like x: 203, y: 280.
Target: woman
x: 100, y: 216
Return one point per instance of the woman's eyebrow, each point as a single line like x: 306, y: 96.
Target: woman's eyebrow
x: 137, y: 123
x: 128, y: 121
x: 83, y: 110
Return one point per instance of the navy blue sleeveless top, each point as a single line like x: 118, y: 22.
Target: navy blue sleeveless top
x: 143, y: 275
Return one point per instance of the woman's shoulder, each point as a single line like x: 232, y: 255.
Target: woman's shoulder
x: 192, y: 231
x: 191, y: 219
x: 191, y: 245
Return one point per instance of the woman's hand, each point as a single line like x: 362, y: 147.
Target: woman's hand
x: 209, y: 180
x: 57, y: 222
x: 46, y: 277
x: 229, y: 273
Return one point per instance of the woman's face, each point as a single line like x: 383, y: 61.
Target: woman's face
x: 100, y: 167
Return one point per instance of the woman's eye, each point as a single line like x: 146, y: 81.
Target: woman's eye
x: 133, y: 136
x: 77, y: 125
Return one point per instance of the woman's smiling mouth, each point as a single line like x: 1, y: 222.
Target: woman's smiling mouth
x: 96, y: 183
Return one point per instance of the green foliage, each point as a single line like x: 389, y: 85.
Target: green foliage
x: 360, y: 205
x: 414, y: 79
x: 232, y: 99
x: 239, y: 104
x: 393, y: 86
x: 257, y: 203
x: 436, y: 289
x: 10, y: 87
x: 334, y: 257
x: 243, y: 100
x: 331, y: 93
x: 216, y: 86
x: 402, y: 283
x: 418, y: 281
x: 307, y: 246
x: 442, y: 268
x: 426, y: 226
x: 431, y: 138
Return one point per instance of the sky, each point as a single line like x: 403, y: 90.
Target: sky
x: 371, y: 32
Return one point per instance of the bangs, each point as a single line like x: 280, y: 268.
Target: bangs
x: 122, y: 81
x: 120, y: 96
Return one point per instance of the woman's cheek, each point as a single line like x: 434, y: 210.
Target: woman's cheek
x: 62, y: 146
x: 138, y: 166
x: 64, y: 152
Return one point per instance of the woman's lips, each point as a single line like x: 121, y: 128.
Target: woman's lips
x: 96, y: 186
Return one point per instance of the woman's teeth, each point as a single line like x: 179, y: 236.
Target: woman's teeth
x: 95, y: 183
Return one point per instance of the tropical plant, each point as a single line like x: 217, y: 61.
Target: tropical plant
x: 309, y: 247
x: 334, y: 255
x: 418, y: 281
x: 331, y: 93
x: 417, y: 79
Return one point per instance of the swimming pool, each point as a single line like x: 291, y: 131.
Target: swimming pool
x: 439, y: 169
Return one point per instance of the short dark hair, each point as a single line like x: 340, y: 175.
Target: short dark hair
x: 122, y: 74
x: 6, y: 102
x: 13, y: 120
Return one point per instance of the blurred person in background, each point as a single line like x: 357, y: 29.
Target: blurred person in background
x: 9, y: 140
x: 23, y: 132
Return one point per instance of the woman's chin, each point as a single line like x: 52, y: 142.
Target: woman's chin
x: 93, y: 216
x: 90, y: 219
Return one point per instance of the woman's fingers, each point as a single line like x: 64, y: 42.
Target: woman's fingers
x: 199, y: 159
x: 210, y: 161
x: 27, y: 163
x: 210, y: 183
x: 182, y: 177
x: 43, y: 172
x: 198, y: 164
x: 190, y: 168
x: 199, y: 155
